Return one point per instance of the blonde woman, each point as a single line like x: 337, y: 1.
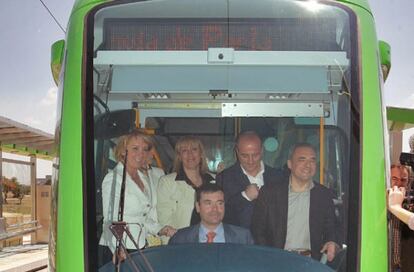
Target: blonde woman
x: 140, y: 193
x: 176, y: 191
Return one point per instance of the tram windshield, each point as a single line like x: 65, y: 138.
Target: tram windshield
x: 286, y: 70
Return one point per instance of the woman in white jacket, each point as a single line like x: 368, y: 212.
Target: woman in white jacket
x: 176, y: 191
x: 140, y: 193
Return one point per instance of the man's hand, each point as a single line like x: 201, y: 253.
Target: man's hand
x: 252, y: 191
x: 167, y: 231
x: 396, y: 196
x: 121, y: 256
x: 330, y: 248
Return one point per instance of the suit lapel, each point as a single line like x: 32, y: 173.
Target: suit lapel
x: 266, y: 177
x: 283, y: 197
x: 193, y: 237
x: 243, y: 178
x: 313, y: 212
x: 229, y: 234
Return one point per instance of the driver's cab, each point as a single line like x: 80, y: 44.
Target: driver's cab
x: 213, y: 69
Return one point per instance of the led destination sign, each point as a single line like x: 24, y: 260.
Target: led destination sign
x: 304, y: 34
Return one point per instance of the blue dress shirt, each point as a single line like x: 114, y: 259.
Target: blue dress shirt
x: 219, y: 238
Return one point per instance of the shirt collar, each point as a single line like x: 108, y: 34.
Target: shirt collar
x: 181, y: 175
x: 306, y: 190
x: 261, y: 171
x: 202, y: 234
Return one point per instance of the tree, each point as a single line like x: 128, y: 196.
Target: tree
x: 20, y: 191
x: 9, y: 185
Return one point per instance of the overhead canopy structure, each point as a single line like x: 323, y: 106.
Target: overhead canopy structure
x: 400, y: 119
x: 21, y: 139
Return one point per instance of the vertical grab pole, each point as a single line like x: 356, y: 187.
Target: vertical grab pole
x: 137, y: 120
x: 321, y: 150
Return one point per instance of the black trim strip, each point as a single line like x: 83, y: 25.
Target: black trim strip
x: 88, y: 169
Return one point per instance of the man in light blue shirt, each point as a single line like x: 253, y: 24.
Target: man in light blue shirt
x: 203, y: 234
x: 210, y: 206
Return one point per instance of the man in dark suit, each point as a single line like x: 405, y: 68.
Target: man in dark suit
x: 297, y: 214
x: 210, y: 206
x: 242, y: 181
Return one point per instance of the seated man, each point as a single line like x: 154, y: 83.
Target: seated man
x: 210, y: 206
x: 297, y: 214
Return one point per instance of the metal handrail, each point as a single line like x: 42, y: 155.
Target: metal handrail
x: 21, y: 224
x: 11, y: 234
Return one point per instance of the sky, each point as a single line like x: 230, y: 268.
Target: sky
x: 27, y: 89
x: 394, y: 19
x: 28, y: 92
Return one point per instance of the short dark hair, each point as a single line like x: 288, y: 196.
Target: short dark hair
x: 299, y: 145
x: 400, y: 166
x: 207, y: 188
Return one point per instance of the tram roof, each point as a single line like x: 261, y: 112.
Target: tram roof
x: 21, y: 139
x: 81, y: 3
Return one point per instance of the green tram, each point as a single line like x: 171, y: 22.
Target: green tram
x: 291, y: 70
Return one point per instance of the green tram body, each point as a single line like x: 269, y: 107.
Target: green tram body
x: 71, y: 217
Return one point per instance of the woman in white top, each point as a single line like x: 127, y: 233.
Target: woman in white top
x: 140, y: 192
x: 176, y: 191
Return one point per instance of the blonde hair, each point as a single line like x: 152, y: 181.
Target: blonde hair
x: 189, y: 141
x: 119, y: 150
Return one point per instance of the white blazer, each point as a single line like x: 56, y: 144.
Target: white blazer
x: 176, y: 202
x: 139, y: 208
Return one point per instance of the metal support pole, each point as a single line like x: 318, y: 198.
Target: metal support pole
x: 395, y: 140
x: 322, y: 151
x: 1, y: 183
x: 33, y: 193
x: 2, y: 220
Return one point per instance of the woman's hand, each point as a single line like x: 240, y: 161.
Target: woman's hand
x: 167, y: 231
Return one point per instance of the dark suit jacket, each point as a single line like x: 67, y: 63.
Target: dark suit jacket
x: 232, y: 234
x: 239, y: 210
x: 269, y: 221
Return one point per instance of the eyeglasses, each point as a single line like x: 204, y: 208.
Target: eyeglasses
x: 399, y: 179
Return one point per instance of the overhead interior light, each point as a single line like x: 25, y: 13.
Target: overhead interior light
x: 157, y: 96
x: 280, y: 96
